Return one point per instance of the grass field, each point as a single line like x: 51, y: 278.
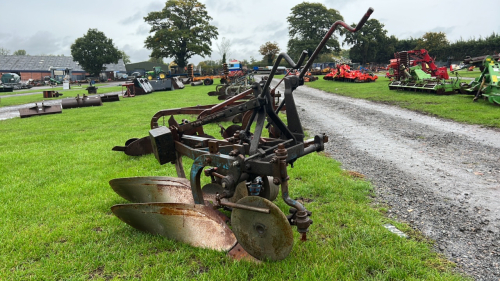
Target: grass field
x: 457, y: 107
x: 57, y: 223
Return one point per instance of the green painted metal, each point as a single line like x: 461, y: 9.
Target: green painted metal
x: 417, y: 80
x: 486, y: 85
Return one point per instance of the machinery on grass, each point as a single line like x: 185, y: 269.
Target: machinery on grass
x: 156, y: 72
x: 200, y: 80
x: 232, y: 83
x: 479, y: 61
x: 412, y: 58
x: 415, y: 71
x: 12, y: 81
x: 343, y: 72
x: 486, y: 85
x: 308, y: 77
x: 246, y: 171
x: 417, y: 80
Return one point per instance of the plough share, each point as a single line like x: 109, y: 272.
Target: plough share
x: 246, y: 171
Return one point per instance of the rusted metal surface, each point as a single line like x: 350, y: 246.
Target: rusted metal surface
x: 153, y: 189
x: 109, y: 97
x: 136, y: 147
x: 243, y: 164
x: 39, y: 110
x: 196, y: 225
x: 130, y: 92
x: 238, y: 253
x: 83, y: 101
x: 51, y: 94
x: 264, y: 236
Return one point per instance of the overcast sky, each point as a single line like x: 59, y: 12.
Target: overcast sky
x: 50, y: 26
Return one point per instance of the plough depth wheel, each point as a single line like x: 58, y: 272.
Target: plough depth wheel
x: 264, y: 236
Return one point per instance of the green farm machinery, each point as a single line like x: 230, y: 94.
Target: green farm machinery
x: 417, y: 80
x: 486, y: 85
x: 415, y: 71
x: 156, y: 72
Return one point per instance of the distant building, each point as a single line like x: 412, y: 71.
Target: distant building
x: 36, y: 67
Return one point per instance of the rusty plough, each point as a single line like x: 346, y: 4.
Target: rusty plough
x: 246, y: 170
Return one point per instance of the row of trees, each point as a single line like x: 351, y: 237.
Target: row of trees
x: 5, y: 52
x: 182, y: 29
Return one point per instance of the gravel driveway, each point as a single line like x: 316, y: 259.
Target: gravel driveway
x: 439, y: 176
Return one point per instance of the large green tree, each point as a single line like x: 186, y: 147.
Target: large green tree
x: 179, y: 31
x: 307, y: 25
x: 269, y: 50
x: 433, y: 41
x: 370, y: 44
x: 93, y: 51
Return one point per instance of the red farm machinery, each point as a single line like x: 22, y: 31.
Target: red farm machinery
x: 344, y: 73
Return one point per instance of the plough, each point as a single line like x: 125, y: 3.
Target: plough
x: 246, y: 170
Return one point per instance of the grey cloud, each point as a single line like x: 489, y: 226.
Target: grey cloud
x: 136, y: 55
x: 446, y: 30
x: 243, y: 41
x: 280, y: 34
x: 155, y: 6
x: 338, y: 4
x: 142, y: 29
x: 42, y: 42
x: 132, y: 19
x: 269, y: 26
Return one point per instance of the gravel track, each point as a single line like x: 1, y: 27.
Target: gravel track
x: 439, y: 176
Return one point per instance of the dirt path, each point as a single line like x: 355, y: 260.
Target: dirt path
x: 441, y: 177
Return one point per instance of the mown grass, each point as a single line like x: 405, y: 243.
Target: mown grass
x: 57, y: 223
x: 471, y: 74
x: 457, y: 107
x: 38, y: 98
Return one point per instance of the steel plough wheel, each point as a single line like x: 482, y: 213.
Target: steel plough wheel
x: 210, y: 191
x: 264, y: 236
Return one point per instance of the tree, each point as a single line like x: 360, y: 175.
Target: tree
x: 308, y: 24
x: 4, y: 52
x: 433, y: 41
x: 156, y: 60
x: 181, y: 30
x: 224, y: 48
x: 20, y: 53
x: 406, y: 44
x: 125, y: 57
x: 269, y: 50
x: 93, y: 50
x: 370, y: 44
x: 209, y: 66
